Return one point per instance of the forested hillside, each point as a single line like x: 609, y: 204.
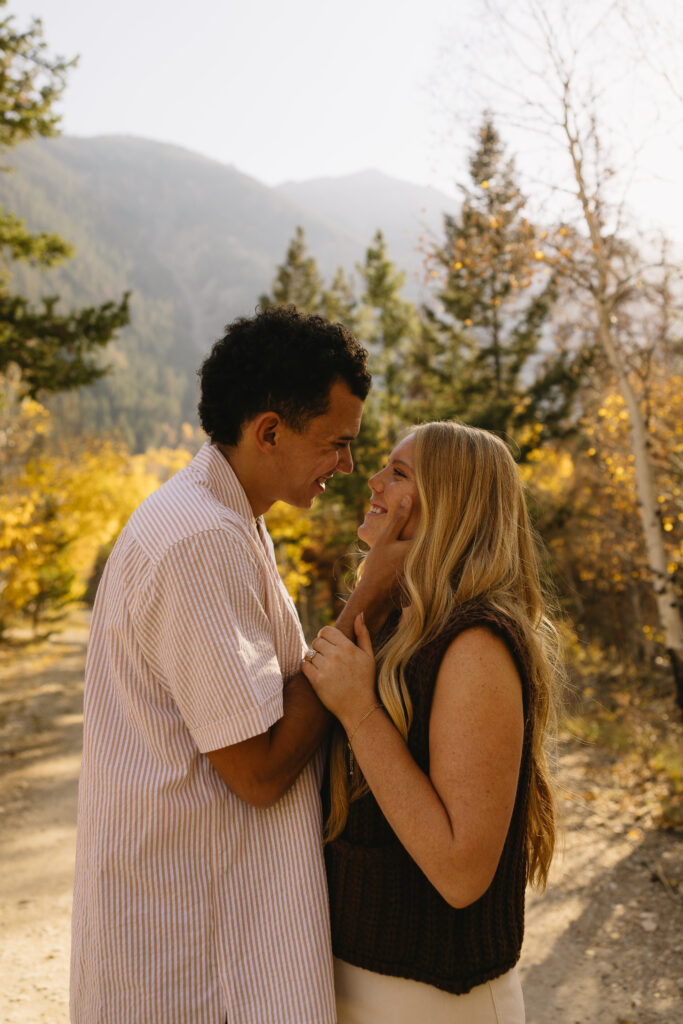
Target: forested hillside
x: 196, y: 242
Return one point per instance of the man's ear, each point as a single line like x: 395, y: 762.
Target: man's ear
x: 266, y: 431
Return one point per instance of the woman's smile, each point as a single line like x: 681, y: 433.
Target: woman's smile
x: 394, y: 482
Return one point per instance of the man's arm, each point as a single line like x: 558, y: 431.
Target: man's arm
x: 261, y: 769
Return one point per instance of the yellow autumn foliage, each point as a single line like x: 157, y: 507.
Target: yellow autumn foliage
x: 290, y: 530
x: 586, y: 505
x: 548, y: 471
x: 58, y: 511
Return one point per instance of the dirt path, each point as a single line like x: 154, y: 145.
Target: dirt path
x: 604, y: 945
x: 41, y: 691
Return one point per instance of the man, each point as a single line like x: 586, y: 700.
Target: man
x: 200, y: 892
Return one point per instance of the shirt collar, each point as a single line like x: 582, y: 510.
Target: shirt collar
x: 220, y: 478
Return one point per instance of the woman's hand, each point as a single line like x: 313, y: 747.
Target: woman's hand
x: 343, y: 673
x: 383, y: 566
x: 379, y: 588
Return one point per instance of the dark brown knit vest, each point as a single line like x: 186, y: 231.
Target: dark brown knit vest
x: 386, y: 916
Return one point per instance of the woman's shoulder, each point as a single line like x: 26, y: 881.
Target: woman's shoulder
x: 477, y: 614
x: 471, y: 614
x: 482, y: 615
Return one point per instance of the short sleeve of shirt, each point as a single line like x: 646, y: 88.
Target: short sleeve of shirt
x: 205, y: 629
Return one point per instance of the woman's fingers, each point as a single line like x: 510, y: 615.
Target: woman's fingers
x: 324, y: 645
x: 328, y: 642
x: 332, y: 635
x: 331, y: 646
x: 342, y: 672
x: 363, y: 635
x: 308, y: 669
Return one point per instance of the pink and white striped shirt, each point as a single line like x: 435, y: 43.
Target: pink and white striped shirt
x: 190, y: 906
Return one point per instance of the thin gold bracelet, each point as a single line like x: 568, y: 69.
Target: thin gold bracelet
x: 375, y: 707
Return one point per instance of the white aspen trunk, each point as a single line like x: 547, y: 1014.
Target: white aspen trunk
x: 668, y: 612
x: 666, y: 599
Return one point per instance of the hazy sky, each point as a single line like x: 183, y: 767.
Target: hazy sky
x: 281, y: 88
x: 296, y: 89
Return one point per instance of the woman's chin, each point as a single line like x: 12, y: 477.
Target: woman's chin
x: 366, y: 534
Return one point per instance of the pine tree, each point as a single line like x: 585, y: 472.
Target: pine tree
x: 338, y: 301
x: 496, y: 297
x: 389, y: 324
x: 53, y: 351
x: 297, y: 281
x: 433, y: 372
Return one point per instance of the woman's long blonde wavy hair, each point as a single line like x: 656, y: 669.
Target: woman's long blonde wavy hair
x: 474, y: 541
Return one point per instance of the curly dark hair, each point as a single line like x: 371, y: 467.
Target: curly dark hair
x: 279, y: 360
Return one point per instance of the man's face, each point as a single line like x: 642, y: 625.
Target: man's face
x: 310, y: 458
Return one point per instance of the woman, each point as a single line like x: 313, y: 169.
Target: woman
x: 440, y: 806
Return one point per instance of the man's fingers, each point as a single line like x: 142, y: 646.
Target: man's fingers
x: 398, y: 520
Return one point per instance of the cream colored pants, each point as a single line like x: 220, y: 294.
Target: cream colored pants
x: 364, y: 997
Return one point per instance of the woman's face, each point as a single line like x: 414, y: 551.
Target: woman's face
x: 388, y: 487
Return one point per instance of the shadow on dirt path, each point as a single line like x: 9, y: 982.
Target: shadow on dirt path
x: 604, y: 943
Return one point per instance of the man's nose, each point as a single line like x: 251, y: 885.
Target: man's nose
x: 345, y: 462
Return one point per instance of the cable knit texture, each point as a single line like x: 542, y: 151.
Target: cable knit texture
x: 386, y: 915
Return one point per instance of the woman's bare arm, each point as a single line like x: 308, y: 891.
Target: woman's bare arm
x: 452, y: 822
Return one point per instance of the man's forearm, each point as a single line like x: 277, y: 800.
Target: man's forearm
x: 260, y: 770
x: 374, y: 604
x: 297, y: 735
